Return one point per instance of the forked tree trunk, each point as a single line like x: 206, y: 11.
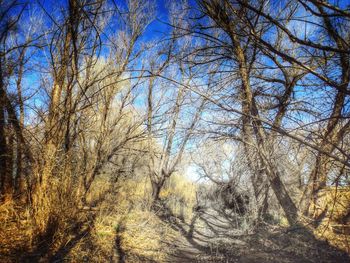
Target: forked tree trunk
x: 157, y: 186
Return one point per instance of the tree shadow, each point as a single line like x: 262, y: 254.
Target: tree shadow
x: 118, y: 242
x: 43, y: 251
x: 199, y: 247
x: 266, y: 244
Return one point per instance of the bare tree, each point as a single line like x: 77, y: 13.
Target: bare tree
x: 262, y: 74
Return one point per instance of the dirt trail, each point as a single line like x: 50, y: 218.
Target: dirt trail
x: 212, y: 236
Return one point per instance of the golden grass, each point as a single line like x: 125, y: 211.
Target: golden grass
x: 145, y: 237
x: 16, y: 230
x: 337, y: 203
x: 180, y: 194
x: 124, y: 225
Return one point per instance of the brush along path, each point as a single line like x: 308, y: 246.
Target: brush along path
x: 213, y: 236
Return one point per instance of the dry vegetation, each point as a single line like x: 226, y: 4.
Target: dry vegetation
x: 174, y: 131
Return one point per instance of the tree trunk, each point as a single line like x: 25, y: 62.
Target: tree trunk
x: 283, y: 197
x: 156, y: 188
x: 5, y: 166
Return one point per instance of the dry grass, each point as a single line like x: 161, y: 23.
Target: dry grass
x: 180, y: 195
x: 144, y: 238
x: 16, y: 231
x: 34, y: 232
x: 337, y: 203
x: 122, y: 226
x: 125, y: 227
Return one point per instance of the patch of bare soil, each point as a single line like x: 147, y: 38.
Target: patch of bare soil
x: 211, y: 237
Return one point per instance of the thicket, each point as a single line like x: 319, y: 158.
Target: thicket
x: 103, y: 117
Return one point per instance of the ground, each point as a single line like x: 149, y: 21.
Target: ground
x: 210, y: 235
x: 210, y: 238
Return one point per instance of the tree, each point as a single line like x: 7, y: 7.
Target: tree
x: 12, y: 59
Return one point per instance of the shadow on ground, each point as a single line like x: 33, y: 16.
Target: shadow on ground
x: 211, y: 237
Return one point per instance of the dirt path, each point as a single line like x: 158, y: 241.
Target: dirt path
x: 211, y: 237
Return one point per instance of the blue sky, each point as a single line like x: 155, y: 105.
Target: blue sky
x: 155, y: 30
